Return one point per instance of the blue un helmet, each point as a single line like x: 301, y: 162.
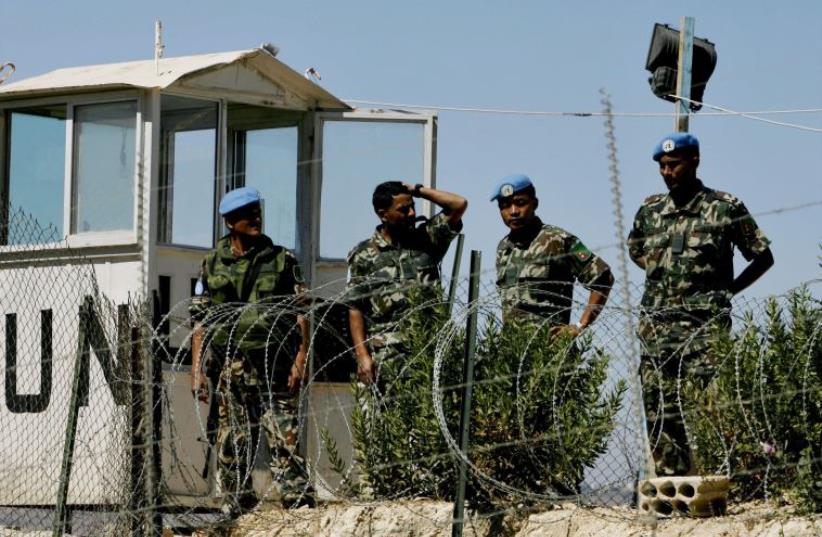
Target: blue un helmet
x: 673, y: 142
x: 510, y: 185
x: 239, y: 198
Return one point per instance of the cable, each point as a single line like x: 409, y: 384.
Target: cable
x: 508, y: 111
x: 750, y: 115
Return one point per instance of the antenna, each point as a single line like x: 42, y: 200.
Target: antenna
x: 159, y: 47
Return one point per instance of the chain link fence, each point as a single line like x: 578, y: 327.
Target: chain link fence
x: 72, y: 397
x: 101, y: 434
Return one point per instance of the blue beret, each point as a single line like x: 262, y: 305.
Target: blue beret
x: 510, y: 185
x: 237, y: 198
x: 672, y: 142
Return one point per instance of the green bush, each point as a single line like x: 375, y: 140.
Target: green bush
x: 539, y: 414
x: 398, y: 448
x: 760, y: 421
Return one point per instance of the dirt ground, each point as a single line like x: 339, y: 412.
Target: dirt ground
x: 422, y: 518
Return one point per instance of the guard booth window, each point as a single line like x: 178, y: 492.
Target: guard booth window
x: 187, y: 171
x: 263, y: 149
x: 104, y: 167
x: 357, y: 156
x: 35, y: 175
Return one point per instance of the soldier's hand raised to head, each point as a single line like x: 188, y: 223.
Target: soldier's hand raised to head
x: 453, y: 205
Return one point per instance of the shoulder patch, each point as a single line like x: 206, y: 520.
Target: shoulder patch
x: 581, y: 251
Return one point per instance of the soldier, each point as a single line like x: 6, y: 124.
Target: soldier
x: 381, y: 268
x: 244, y: 309
x: 684, y: 241
x: 538, y: 263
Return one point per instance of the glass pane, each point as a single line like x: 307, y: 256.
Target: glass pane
x: 104, y: 142
x: 357, y: 156
x: 189, y: 146
x: 271, y: 168
x: 37, y: 157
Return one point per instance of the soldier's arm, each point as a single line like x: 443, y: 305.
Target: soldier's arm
x: 294, y: 280
x: 365, y: 364
x: 636, y: 241
x: 356, y: 291
x: 596, y: 300
x: 298, y: 368
x: 200, y: 302
x: 453, y: 205
x: 199, y: 381
x: 752, y: 244
x: 755, y: 269
x: 594, y: 274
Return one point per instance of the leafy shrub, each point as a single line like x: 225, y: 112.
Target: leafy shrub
x: 539, y: 413
x: 760, y: 421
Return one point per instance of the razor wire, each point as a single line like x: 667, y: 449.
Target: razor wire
x: 610, y: 480
x: 118, y: 447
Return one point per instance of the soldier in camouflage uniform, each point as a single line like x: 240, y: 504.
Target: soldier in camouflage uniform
x: 684, y: 241
x: 245, y: 309
x: 399, y: 257
x: 537, y: 264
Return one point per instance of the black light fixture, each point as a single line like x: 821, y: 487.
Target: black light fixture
x: 663, y: 56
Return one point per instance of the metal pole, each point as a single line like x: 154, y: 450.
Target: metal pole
x: 61, y: 512
x: 455, y: 273
x: 155, y: 377
x: 138, y: 437
x: 468, y: 383
x: 683, y: 73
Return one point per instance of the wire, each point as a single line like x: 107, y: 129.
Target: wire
x: 508, y: 111
x: 750, y: 115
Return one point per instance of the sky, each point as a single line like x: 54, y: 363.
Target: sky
x: 525, y: 55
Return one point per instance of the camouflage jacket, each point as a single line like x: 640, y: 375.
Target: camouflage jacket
x: 688, y: 253
x: 536, y: 278
x: 381, y: 275
x: 243, y: 299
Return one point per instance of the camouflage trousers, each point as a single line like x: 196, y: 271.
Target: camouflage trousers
x: 664, y: 380
x: 245, y: 406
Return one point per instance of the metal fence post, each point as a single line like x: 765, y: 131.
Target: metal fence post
x: 61, y: 511
x: 455, y: 273
x: 468, y: 388
x: 154, y: 416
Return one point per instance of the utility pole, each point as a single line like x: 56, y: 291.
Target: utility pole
x: 683, y: 73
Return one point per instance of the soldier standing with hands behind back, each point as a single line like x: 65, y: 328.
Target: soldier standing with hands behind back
x: 244, y: 309
x: 685, y: 240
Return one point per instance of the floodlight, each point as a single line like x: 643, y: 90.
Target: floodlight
x: 663, y: 57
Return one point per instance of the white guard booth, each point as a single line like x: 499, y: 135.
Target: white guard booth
x: 124, y: 165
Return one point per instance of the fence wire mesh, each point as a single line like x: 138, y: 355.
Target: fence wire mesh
x: 555, y: 421
x: 67, y: 429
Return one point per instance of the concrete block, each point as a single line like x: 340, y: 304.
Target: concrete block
x: 699, y: 496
